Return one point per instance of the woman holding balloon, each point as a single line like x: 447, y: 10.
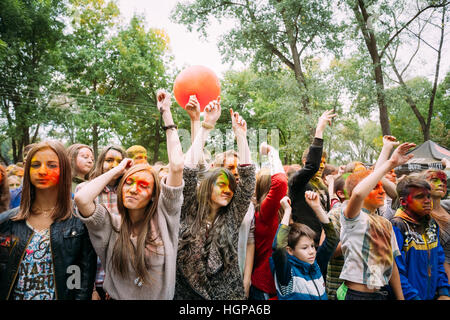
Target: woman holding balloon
x: 207, y: 262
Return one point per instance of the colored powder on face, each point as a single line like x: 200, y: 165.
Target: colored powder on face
x: 418, y: 205
x: 223, y: 183
x: 44, y: 171
x: 374, y: 197
x: 437, y: 180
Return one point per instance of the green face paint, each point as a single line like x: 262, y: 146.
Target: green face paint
x: 223, y: 183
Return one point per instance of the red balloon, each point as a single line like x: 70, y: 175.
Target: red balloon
x: 199, y: 81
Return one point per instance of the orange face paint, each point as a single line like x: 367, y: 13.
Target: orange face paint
x: 44, y: 169
x: 376, y: 197
x: 321, y: 168
x: 137, y: 190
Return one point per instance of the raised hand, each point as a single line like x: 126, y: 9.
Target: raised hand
x: 312, y: 199
x: 390, y: 142
x: 324, y: 119
x: 239, y: 125
x: 285, y: 203
x: 399, y: 156
x: 329, y: 179
x: 193, y: 108
x: 123, y: 166
x: 163, y: 99
x: 265, y: 148
x: 212, y: 112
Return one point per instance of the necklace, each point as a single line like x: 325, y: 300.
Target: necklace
x: 44, y: 211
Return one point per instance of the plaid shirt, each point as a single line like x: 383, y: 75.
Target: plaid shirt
x: 108, y: 198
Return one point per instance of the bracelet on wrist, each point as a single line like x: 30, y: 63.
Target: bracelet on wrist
x: 170, y: 126
x: 207, y: 125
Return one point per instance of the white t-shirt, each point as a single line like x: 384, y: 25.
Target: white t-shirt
x: 369, y: 248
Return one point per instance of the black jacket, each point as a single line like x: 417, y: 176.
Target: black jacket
x: 298, y: 185
x: 70, y: 246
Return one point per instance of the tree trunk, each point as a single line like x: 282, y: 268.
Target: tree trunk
x: 426, y: 134
x: 371, y: 43
x: 95, y: 139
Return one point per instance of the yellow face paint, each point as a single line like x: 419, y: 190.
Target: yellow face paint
x: 112, y: 160
x: 44, y: 169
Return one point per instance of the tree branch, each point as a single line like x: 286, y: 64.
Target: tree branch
x: 409, y: 22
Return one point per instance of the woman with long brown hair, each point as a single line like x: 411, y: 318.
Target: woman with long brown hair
x: 271, y: 187
x: 42, y: 243
x: 108, y: 159
x: 82, y: 161
x: 207, y: 261
x: 138, y: 247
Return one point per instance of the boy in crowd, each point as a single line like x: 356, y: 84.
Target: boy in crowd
x: 367, y: 239
x: 421, y: 263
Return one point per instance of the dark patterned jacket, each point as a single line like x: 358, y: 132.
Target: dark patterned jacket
x: 70, y: 245
x: 203, y: 275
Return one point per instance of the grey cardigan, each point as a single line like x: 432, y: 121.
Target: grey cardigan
x: 102, y: 226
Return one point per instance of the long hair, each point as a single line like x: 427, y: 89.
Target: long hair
x: 263, y: 183
x: 63, y: 209
x: 4, y: 190
x: 124, y: 251
x: 72, y: 152
x: 98, y: 168
x: 196, y: 218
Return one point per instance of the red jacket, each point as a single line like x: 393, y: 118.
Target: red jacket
x: 266, y: 224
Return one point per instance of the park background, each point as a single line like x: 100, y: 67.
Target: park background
x: 87, y: 71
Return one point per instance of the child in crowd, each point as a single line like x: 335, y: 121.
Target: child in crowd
x: 421, y: 263
x: 367, y: 239
x: 296, y: 265
x: 271, y: 187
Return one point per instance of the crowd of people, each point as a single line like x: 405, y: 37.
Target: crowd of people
x: 118, y: 228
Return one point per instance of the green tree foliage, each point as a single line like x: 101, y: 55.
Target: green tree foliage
x: 272, y: 35
x: 31, y: 32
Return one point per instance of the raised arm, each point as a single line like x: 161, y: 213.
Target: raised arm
x: 174, y: 151
x: 389, y: 143
x: 193, y: 110
x: 326, y: 250
x: 278, y: 188
x: 301, y: 177
x: 85, y: 197
x: 195, y: 152
x: 363, y: 188
x: 239, y: 126
x: 279, y: 255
